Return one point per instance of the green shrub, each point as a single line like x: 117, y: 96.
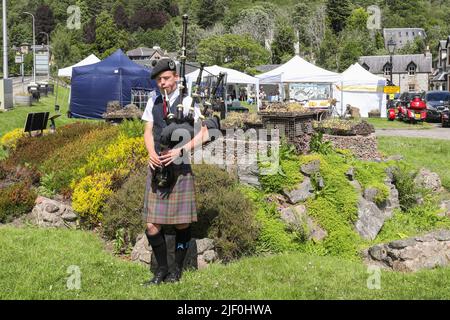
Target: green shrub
x: 47, y: 187
x: 224, y: 213
x: 334, y: 208
x: 318, y: 145
x: 132, y: 128
x: 90, y: 195
x: 414, y: 221
x: 123, y: 211
x: 65, y: 161
x: 372, y: 175
x: 288, y: 175
x: 273, y: 237
x: 16, y: 200
x: 36, y: 150
x: 408, y: 191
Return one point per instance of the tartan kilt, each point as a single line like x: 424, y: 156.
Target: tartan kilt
x: 173, y: 205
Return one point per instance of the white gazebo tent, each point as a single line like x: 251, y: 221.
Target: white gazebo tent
x: 232, y: 76
x: 362, y: 89
x: 67, y: 72
x: 298, y: 70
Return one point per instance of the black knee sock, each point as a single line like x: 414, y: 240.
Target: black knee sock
x: 182, y: 238
x: 158, y: 243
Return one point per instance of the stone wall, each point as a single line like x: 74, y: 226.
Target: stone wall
x: 363, y: 147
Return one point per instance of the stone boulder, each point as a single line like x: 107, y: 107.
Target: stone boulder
x: 297, y: 219
x: 201, y: 252
x: 445, y: 208
x: 370, y: 219
x: 50, y: 213
x: 310, y: 168
x: 412, y: 254
x: 304, y: 191
x: 429, y: 180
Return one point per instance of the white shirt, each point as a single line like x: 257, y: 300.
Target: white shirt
x: 148, y: 115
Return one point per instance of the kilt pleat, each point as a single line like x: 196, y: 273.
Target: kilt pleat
x: 174, y: 205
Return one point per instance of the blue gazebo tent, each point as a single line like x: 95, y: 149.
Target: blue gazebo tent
x: 93, y: 86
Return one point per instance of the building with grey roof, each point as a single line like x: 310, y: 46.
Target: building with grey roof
x: 439, y: 79
x: 412, y: 72
x: 402, y: 36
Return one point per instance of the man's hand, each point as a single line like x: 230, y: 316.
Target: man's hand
x: 154, y: 160
x: 170, y: 156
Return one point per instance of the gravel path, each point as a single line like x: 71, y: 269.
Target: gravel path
x: 436, y: 133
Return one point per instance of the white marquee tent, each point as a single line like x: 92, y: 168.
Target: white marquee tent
x: 67, y: 72
x: 232, y: 76
x: 298, y: 70
x: 361, y: 89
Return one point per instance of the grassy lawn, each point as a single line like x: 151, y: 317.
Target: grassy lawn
x: 16, y: 117
x: 380, y: 123
x: 35, y: 266
x: 420, y: 152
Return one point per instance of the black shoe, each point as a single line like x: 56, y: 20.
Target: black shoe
x: 160, y: 276
x: 174, y: 276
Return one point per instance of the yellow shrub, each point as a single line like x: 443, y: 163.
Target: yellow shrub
x: 9, y: 139
x: 90, y: 195
x: 118, y: 158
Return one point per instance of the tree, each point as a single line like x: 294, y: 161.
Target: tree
x: 283, y: 43
x: 209, y: 12
x: 108, y: 37
x: 358, y: 20
x: 256, y: 22
x: 233, y: 51
x: 338, y: 11
x: 121, y: 17
x: 44, y: 23
x: 147, y: 18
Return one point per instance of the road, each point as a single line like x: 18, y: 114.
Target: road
x: 17, y: 82
x: 435, y: 133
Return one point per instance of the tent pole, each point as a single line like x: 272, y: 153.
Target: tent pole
x: 342, y: 99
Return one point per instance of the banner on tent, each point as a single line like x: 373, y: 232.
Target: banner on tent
x: 309, y: 91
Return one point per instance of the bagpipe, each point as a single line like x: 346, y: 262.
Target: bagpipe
x: 181, y: 128
x: 189, y: 122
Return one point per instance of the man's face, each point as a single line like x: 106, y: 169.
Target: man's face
x: 167, y: 80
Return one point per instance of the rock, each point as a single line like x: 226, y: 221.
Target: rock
x: 201, y: 263
x: 248, y: 174
x: 370, y: 219
x: 429, y: 180
x: 49, y: 213
x: 290, y: 218
x: 400, y: 244
x: 320, y: 183
x: 303, y: 192
x: 445, y: 207
x: 209, y: 256
x: 395, y: 157
x: 142, y: 252
x: 297, y: 219
x: 363, y: 147
x: 310, y: 168
x: 392, y: 202
x: 204, y: 245
x: 356, y: 185
x: 370, y: 194
x: 199, y: 254
x: 350, y: 174
x: 416, y: 253
x: 390, y: 174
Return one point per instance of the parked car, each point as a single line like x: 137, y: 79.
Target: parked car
x: 436, y: 102
x: 405, y: 98
x: 445, y: 118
